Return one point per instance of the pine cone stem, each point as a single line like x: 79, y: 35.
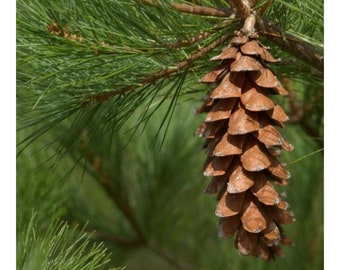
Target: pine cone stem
x: 249, y: 24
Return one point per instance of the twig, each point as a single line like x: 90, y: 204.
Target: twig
x: 193, y: 9
x: 296, y: 47
x: 300, y: 49
x: 189, y: 41
x: 164, y: 73
x: 249, y: 25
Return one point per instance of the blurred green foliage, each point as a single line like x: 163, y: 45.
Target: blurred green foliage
x: 164, y: 187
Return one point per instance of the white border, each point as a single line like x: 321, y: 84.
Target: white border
x: 8, y: 135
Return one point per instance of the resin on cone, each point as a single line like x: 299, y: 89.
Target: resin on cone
x: 241, y: 131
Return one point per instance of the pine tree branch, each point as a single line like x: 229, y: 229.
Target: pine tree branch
x: 164, y: 73
x: 300, y: 49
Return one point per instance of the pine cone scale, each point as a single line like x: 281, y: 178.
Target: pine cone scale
x: 229, y: 204
x: 243, y: 145
x: 230, y: 86
x: 252, y: 219
x: 251, y: 48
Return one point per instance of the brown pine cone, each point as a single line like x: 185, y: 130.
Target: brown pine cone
x: 241, y: 141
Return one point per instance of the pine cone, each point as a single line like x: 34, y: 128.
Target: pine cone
x: 242, y: 144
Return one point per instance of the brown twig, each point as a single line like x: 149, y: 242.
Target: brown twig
x: 249, y: 25
x: 300, y: 49
x: 189, y: 41
x: 153, y: 78
x: 296, y: 47
x: 193, y: 9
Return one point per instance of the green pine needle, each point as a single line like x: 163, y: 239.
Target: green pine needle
x: 60, y: 247
x: 72, y: 55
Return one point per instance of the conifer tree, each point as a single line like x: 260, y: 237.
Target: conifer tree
x: 109, y: 167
